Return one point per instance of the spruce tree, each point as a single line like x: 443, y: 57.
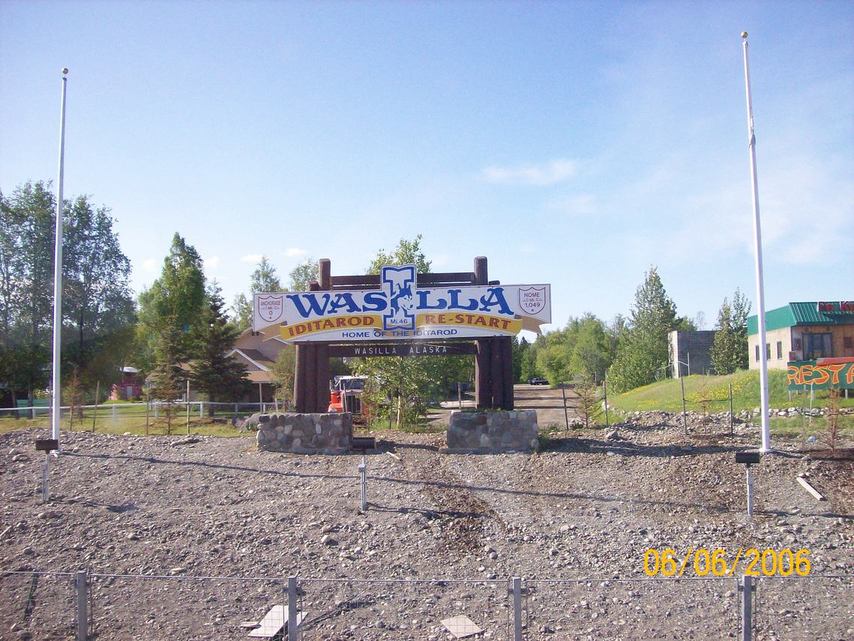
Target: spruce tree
x: 221, y: 377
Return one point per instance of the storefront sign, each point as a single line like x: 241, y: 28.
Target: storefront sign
x: 836, y: 307
x: 402, y: 310
x: 824, y: 373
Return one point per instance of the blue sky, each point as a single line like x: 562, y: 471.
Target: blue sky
x: 574, y: 143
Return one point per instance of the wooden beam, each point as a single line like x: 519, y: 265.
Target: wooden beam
x: 507, y: 352
x: 321, y: 378
x: 310, y: 377
x: 482, y: 369
x: 300, y: 381
x: 496, y: 373
x: 809, y: 488
x: 481, y: 271
x: 324, y: 268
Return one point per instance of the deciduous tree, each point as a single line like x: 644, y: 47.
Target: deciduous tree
x: 729, y: 350
x: 643, y: 351
x: 303, y: 274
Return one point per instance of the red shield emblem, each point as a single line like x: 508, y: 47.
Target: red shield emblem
x: 270, y: 308
x: 532, y: 300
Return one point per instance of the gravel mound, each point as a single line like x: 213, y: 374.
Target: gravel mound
x: 151, y: 516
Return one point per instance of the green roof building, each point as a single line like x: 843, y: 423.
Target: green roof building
x: 803, y: 332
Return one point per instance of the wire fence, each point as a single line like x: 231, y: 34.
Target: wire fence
x: 41, y: 605
x: 154, y: 417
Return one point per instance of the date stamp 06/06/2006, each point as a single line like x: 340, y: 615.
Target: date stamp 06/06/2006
x: 669, y: 562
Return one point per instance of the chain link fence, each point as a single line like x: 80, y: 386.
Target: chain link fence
x: 81, y: 606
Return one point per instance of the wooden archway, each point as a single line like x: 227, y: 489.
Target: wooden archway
x: 493, y: 356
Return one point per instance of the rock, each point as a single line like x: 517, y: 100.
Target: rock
x: 328, y: 540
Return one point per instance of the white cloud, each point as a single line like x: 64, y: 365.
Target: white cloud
x: 149, y: 264
x: 295, y: 252
x: 550, y: 173
x: 211, y: 262
x: 440, y: 260
x: 575, y: 205
x: 252, y: 259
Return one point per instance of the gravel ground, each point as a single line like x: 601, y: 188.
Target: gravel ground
x: 574, y: 521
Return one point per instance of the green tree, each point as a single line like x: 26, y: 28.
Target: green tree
x: 177, y: 298
x: 729, y: 350
x: 643, y: 351
x: 580, y: 351
x: 528, y: 365
x: 96, y: 296
x: 520, y: 349
x: 263, y: 279
x: 590, y: 356
x: 242, y: 312
x: 284, y: 374
x: 303, y: 274
x: 166, y: 375
x: 97, y: 303
x: 411, y: 381
x: 219, y: 376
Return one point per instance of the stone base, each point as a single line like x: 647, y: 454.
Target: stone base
x: 494, y: 431
x: 305, y: 433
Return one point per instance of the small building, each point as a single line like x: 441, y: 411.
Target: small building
x: 690, y: 352
x: 803, y: 332
x: 129, y: 386
x: 258, y: 353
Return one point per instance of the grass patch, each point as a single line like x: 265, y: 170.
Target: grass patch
x: 128, y: 419
x: 711, y: 394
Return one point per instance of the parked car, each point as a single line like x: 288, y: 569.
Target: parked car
x: 537, y: 380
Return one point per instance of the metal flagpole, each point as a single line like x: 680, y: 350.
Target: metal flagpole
x: 56, y: 388
x: 757, y: 239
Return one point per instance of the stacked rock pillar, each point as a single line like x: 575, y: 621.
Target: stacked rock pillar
x: 494, y: 360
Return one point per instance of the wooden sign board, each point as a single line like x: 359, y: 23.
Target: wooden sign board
x: 412, y: 348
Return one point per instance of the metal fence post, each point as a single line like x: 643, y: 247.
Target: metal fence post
x: 81, y: 590
x: 517, y: 608
x: 605, y: 392
x: 565, y: 413
x: 45, y: 478
x: 731, y: 419
x: 293, y: 627
x: 746, y: 589
x: 363, y: 487
x: 749, y: 492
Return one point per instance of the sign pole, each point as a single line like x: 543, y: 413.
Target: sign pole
x: 56, y: 386
x: 757, y: 240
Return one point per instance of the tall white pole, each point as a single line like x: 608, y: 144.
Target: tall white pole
x: 56, y: 387
x: 757, y: 239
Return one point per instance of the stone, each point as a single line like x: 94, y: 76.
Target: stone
x: 492, y: 432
